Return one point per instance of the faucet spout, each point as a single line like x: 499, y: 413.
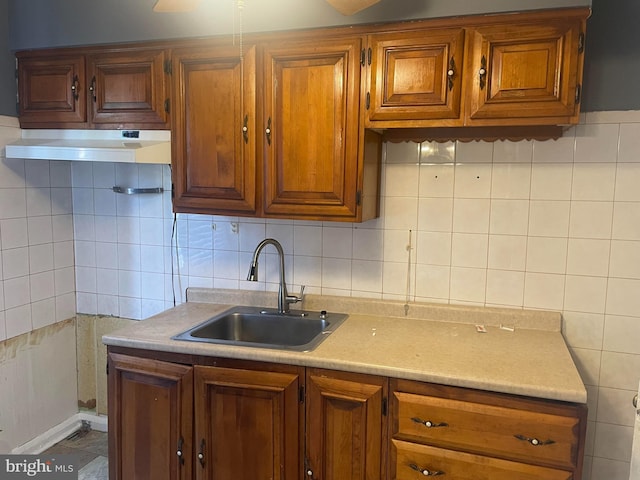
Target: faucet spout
x: 284, y: 299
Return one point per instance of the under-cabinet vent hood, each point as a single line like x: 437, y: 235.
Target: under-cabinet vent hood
x: 127, y: 146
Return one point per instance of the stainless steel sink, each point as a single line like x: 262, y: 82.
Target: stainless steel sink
x: 263, y: 327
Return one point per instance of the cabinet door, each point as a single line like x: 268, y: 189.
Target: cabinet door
x: 247, y: 424
x: 213, y: 144
x: 311, y: 129
x: 526, y: 74
x: 416, y: 76
x: 128, y: 89
x: 345, y: 426
x: 150, y: 418
x: 51, y: 90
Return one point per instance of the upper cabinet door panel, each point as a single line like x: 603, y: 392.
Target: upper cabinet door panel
x: 311, y: 123
x: 213, y: 130
x: 526, y: 71
x: 52, y: 89
x: 128, y: 87
x: 416, y: 75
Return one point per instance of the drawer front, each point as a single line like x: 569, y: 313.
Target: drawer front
x: 479, y: 428
x: 410, y: 461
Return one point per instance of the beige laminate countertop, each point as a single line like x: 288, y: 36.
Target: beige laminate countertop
x: 432, y: 343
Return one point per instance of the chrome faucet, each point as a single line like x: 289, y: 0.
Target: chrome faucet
x: 284, y: 299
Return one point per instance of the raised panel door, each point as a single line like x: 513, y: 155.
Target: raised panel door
x: 51, y: 90
x: 345, y: 426
x: 128, y: 87
x: 416, y: 76
x: 213, y: 142
x: 312, y: 129
x: 526, y: 74
x: 247, y: 424
x: 150, y: 419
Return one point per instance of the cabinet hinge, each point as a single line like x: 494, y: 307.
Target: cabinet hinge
x: 168, y: 68
x: 173, y: 191
x: 581, y: 42
x: 107, y: 368
x: 368, y: 104
x: 358, y: 197
x: 385, y: 406
x: 369, y: 55
x: 362, y: 57
x: 167, y: 105
x: 301, y: 394
x: 578, y: 93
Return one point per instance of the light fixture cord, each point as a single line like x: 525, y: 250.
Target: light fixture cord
x: 240, y: 6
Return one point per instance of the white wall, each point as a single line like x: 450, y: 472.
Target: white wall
x: 37, y: 296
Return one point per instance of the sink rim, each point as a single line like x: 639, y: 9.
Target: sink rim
x: 333, y: 319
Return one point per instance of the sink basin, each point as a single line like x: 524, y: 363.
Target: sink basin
x: 263, y: 327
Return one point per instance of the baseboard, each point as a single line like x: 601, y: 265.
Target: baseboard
x: 60, y: 432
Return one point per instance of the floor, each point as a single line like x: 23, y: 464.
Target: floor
x: 91, y: 448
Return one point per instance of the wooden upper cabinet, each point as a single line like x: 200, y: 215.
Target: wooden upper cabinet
x: 52, y: 90
x: 150, y: 419
x: 247, y: 424
x: 214, y: 135
x: 526, y: 74
x: 311, y: 129
x: 496, y: 70
x: 128, y: 88
x: 416, y: 76
x: 346, y: 427
x: 113, y: 89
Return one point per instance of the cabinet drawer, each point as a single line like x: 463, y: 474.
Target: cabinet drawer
x: 511, y: 433
x: 412, y: 461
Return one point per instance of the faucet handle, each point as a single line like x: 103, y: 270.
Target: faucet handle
x: 296, y: 298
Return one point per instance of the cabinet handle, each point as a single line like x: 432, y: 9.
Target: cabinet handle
x: 245, y: 129
x: 534, y: 441
x: 429, y: 423
x: 201, y: 453
x: 268, y: 131
x: 74, y: 87
x: 424, y: 471
x: 92, y: 88
x: 483, y: 72
x: 635, y: 401
x: 179, y: 452
x: 451, y: 73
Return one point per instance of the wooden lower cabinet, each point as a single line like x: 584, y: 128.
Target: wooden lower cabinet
x: 414, y: 461
x: 181, y: 417
x: 346, y: 426
x: 150, y: 419
x: 470, y: 434
x: 246, y: 424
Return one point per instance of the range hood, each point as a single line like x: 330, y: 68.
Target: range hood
x: 127, y: 146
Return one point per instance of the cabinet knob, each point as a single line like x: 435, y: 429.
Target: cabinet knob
x: 74, y: 87
x: 268, y: 131
x: 425, y: 471
x: 482, y: 73
x: 245, y: 129
x: 534, y: 441
x: 429, y: 423
x: 309, y: 473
